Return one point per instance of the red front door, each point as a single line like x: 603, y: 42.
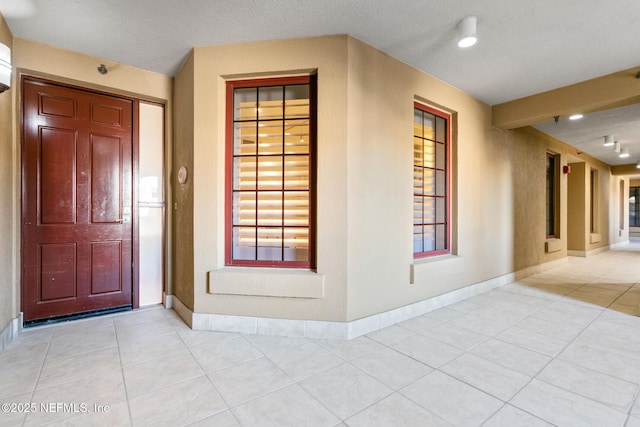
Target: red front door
x: 76, y: 201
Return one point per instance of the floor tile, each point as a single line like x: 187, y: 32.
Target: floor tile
x: 73, y: 344
x: 390, y: 335
x: 193, y: 338
x: 160, y: 372
x: 232, y: 352
x: 457, y: 337
x: 182, y: 404
x: 512, y: 356
x: 14, y: 415
x: 58, y: 371
x: 476, y: 323
x: 555, y: 330
x: 345, y: 390
x: 635, y: 410
x: 291, y: 406
x: 602, y: 388
x: 116, y: 414
x: 563, y: 408
x: 223, y: 419
x: 396, y: 410
x: 601, y: 360
x: 306, y: 360
x: 391, y: 368
x: 489, y: 377
x: 18, y: 381
x: 149, y: 347
x: 427, y: 350
x: 633, y: 422
x: 350, y: 349
x: 569, y: 314
x: 248, y: 381
x: 103, y: 388
x: 25, y: 355
x: 452, y: 400
x: 532, y: 341
x: 510, y: 416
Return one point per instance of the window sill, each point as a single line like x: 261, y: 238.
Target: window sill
x: 271, y: 282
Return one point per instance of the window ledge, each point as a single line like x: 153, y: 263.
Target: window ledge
x: 286, y: 283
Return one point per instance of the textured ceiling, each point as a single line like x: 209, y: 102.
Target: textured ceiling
x: 524, y: 47
x: 587, y: 134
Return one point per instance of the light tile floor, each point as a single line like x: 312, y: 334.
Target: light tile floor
x: 558, y: 348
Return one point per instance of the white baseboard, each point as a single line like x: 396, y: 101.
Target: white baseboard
x: 327, y: 329
x: 11, y: 331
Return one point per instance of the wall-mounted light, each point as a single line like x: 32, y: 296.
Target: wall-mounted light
x: 467, y: 28
x: 608, y: 140
x: 5, y: 67
x: 616, y: 146
x: 624, y: 153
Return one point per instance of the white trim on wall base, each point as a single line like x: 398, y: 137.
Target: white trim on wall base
x: 11, y: 331
x: 326, y: 329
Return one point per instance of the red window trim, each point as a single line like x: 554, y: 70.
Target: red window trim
x: 447, y: 116
x: 264, y: 82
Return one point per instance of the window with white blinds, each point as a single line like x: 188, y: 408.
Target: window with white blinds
x: 270, y: 172
x: 430, y: 181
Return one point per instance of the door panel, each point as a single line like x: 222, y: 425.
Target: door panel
x: 76, y: 201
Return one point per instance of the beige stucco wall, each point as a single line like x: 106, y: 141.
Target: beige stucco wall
x: 9, y: 294
x: 365, y: 179
x: 380, y: 188
x: 183, y: 235
x: 577, y: 211
x: 364, y: 195
x: 211, y: 66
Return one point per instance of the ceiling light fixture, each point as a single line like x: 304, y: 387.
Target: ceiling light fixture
x: 608, y: 140
x: 624, y: 153
x: 616, y: 146
x: 467, y: 28
x: 638, y: 165
x: 575, y: 117
x: 5, y: 67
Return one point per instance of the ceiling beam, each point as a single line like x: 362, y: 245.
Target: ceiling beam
x: 602, y: 93
x: 625, y: 170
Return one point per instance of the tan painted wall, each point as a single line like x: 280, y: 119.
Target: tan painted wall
x: 211, y: 65
x: 364, y: 181
x: 380, y: 188
x: 364, y: 257
x: 528, y: 162
x: 577, y: 212
x: 182, y: 248
x: 9, y: 293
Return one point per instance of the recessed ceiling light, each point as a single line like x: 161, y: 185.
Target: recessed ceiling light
x: 575, y: 117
